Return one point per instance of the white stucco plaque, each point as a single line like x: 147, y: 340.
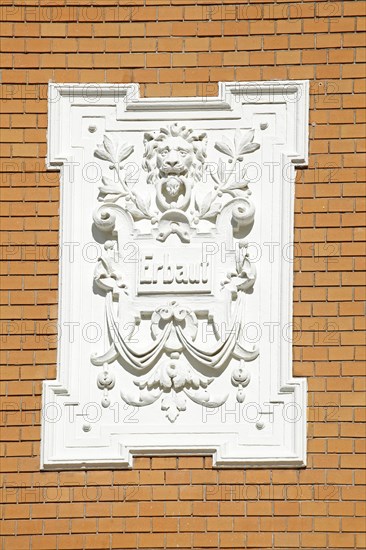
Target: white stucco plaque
x: 175, y: 296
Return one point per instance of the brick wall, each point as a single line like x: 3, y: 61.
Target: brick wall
x: 184, y: 47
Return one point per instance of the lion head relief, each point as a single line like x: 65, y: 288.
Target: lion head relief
x: 175, y: 151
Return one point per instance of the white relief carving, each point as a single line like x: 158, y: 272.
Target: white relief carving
x: 174, y: 291
x: 107, y: 272
x: 106, y: 382
x: 244, y: 275
x: 174, y: 159
x: 241, y: 379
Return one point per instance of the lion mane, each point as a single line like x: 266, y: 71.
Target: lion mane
x: 153, y: 139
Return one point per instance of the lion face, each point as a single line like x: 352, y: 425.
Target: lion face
x: 174, y: 157
x: 175, y: 151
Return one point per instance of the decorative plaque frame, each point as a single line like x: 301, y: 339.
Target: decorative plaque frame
x: 175, y: 295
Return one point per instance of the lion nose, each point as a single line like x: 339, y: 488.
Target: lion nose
x: 172, y: 163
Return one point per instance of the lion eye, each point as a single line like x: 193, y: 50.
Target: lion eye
x: 183, y: 153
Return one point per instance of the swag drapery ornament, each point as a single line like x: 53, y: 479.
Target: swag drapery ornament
x: 175, y: 299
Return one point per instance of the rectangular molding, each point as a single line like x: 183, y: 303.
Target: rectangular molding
x: 176, y: 276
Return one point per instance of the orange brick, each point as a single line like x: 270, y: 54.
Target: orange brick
x: 192, y: 524
x: 203, y: 540
x: 120, y: 540
x: 287, y: 540
x: 196, y: 44
x: 151, y: 541
x: 259, y: 540
x: 53, y: 29
x: 184, y: 60
x: 179, y: 540
x: 232, y: 540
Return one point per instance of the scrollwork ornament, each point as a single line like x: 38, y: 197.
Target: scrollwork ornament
x: 174, y: 381
x: 174, y: 160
